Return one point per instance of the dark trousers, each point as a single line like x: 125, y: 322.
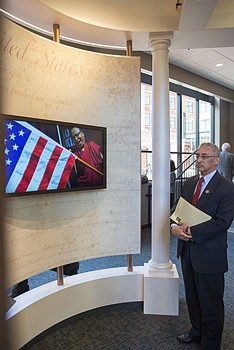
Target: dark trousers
x: 204, y: 297
x: 172, y: 198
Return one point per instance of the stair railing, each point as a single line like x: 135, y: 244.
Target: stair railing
x: 183, y: 169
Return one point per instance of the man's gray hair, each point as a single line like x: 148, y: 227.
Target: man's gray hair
x: 215, y: 149
x: 226, y: 147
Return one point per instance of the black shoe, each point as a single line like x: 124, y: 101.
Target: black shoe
x: 186, y: 338
x: 71, y: 269
x: 19, y: 288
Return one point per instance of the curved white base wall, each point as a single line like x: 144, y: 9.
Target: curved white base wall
x: 47, y: 305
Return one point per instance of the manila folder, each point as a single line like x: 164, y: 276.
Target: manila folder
x: 186, y: 213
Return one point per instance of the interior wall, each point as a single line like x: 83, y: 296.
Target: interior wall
x: 43, y: 79
x: 224, y: 122
x: 231, y: 133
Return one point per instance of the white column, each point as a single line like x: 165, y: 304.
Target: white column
x: 161, y: 280
x: 159, y: 44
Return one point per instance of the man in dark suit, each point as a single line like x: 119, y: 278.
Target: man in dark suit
x: 203, y: 249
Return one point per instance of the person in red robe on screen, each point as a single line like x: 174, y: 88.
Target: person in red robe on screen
x: 89, y: 165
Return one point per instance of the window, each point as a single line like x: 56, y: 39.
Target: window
x: 204, y: 107
x: 205, y: 125
x: 172, y: 102
x: 172, y: 122
x: 189, y: 106
x: 191, y: 123
x: 147, y: 119
x: 205, y: 128
x: 146, y: 140
x: 148, y: 98
x: 189, y: 132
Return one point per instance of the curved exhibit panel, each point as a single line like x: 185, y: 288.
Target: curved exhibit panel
x: 45, y: 80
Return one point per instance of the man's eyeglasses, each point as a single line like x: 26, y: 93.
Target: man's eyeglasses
x: 203, y: 156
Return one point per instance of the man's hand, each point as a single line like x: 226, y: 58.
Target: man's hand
x: 181, y: 232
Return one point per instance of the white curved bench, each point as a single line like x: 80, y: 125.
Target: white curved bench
x: 41, y: 308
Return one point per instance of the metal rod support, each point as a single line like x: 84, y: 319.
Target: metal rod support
x: 129, y: 48
x: 56, y: 38
x: 130, y: 263
x: 129, y: 53
x: 56, y: 31
x: 60, y: 280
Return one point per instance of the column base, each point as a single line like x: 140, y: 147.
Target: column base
x: 159, y: 270
x: 161, y: 292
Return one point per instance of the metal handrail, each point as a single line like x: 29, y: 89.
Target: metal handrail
x: 180, y: 178
x: 182, y: 163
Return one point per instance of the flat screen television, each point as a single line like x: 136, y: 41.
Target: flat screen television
x: 45, y: 156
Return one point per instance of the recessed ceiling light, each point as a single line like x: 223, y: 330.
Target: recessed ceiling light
x: 219, y: 64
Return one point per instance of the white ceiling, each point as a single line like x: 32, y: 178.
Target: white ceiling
x: 203, y: 29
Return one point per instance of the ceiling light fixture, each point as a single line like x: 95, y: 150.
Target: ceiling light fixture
x: 219, y: 64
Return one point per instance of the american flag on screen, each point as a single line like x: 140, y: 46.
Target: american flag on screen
x: 34, y: 161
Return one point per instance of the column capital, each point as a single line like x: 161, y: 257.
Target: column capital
x: 160, y: 40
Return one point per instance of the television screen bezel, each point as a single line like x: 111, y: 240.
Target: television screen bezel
x: 69, y: 124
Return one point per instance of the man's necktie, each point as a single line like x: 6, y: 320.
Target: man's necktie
x: 198, y: 191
